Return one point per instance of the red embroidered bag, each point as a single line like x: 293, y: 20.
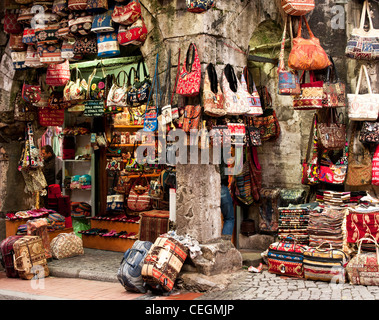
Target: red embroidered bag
x: 190, y: 77
x: 127, y: 14
x: 57, y: 75
x: 139, y: 200
x: 10, y: 23
x: 134, y: 34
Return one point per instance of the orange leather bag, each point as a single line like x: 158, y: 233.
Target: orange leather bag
x: 307, y: 54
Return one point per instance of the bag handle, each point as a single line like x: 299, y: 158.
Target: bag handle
x: 231, y: 77
x: 168, y: 78
x: 312, y: 139
x: 187, y: 64
x: 176, y: 79
x: 281, y: 66
x: 126, y: 78
x: 307, y: 25
x: 363, y: 68
x: 212, y: 75
x: 372, y: 239
x: 330, y: 249
x: 145, y: 74
x: 135, y: 76
x: 366, y: 9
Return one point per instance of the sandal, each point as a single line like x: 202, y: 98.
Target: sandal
x: 109, y: 234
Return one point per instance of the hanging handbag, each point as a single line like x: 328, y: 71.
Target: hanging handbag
x: 117, y: 95
x: 50, y: 53
x: 57, y: 75
x: 134, y: 34
x: 77, y: 5
x: 335, y: 90
x: 198, y: 6
x: 103, y: 22
x: 25, y: 15
x: 310, y: 166
x: 15, y: 42
x: 331, y: 134
x: 267, y: 123
x: 236, y: 102
x: 139, y: 92
x: 375, y: 167
x: 127, y: 14
x: 107, y: 45
x: 11, y: 25
x: 288, y: 79
x: 359, y: 171
x: 47, y: 34
x: 369, y: 132
x: 253, y: 135
x: 307, y: 54
x: 86, y: 45
x: 153, y: 103
x: 253, y: 99
x: 139, y: 200
x: 80, y: 23
x: 311, y: 94
x: 18, y: 60
x: 29, y: 36
x: 75, y: 90
x: 243, y: 184
x: 48, y: 117
x: 60, y: 7
x: 213, y: 98
x: 363, y: 107
x: 362, y: 268
x: 31, y: 93
x: 32, y: 59
x: 333, y: 173
x: 190, y: 77
x: 298, y: 7
x: 192, y: 115
x: 362, y: 44
x: 24, y: 111
x: 96, y: 84
x: 97, y: 5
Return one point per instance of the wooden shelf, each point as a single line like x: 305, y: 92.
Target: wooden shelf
x: 107, y: 243
x: 132, y: 145
x: 128, y: 126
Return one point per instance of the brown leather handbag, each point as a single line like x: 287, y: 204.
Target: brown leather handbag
x: 307, y: 54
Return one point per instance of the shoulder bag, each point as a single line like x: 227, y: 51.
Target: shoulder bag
x: 334, y: 89
x: 369, y: 132
x: 332, y: 134
x: 139, y: 200
x: 96, y: 84
x: 75, y: 89
x: 253, y: 99
x: 333, y: 173
x: 117, y: 95
x: 307, y: 54
x: 311, y: 94
x: 134, y: 34
x: 213, y: 99
x: 107, y: 45
x: 141, y: 87
x: 362, y: 44
x: 77, y: 5
x: 103, y: 22
x: 363, y: 107
x: 127, y: 14
x: 310, y: 165
x: 190, y: 77
x: 298, y: 7
x: 57, y: 75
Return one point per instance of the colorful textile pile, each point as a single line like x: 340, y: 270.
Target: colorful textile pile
x: 55, y: 221
x: 294, y: 221
x: 339, y: 198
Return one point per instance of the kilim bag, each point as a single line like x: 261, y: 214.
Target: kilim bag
x: 32, y: 59
x: 97, y: 5
x: 188, y: 84
x: 311, y: 94
x: 375, y: 167
x: 153, y: 223
x: 213, y: 99
x: 286, y: 258
x: 331, y: 134
x: 60, y: 7
x: 298, y: 7
x: 15, y: 42
x: 50, y: 53
x: 363, y: 107
x: 333, y: 172
x: 325, y: 264
x: 163, y: 263
x: 359, y: 171
x: 76, y: 5
x: 369, y: 132
x: 86, y: 45
x: 80, y: 23
x: 107, y: 45
x: 288, y: 79
x: 310, y: 166
x: 334, y: 90
x: 6, y: 253
x: 47, y: 34
x: 29, y: 258
x: 18, y: 60
x: 307, y: 54
x: 362, y: 44
x: 10, y: 23
x: 134, y: 34
x: 192, y: 115
x: 117, y: 95
x: 198, y: 6
x: 139, y: 200
x: 129, y: 272
x: 29, y: 36
x: 253, y: 98
x: 38, y: 227
x: 66, y: 245
x: 363, y: 268
x: 268, y: 210
x: 57, y: 75
x: 103, y: 22
x: 127, y: 14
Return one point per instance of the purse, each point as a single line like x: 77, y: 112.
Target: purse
x: 335, y: 91
x: 331, y: 134
x: 298, y: 7
x: 363, y: 107
x: 192, y: 115
x: 18, y: 60
x: 362, y: 268
x: 311, y: 94
x: 134, y: 34
x: 66, y: 245
x: 359, y: 171
x: 11, y: 25
x: 75, y: 90
x: 139, y: 92
x: 236, y: 102
x: 139, y: 200
x: 307, y: 54
x: 96, y: 84
x: 310, y: 166
x: 253, y: 99
x: 117, y: 95
x: 57, y: 75
x: 47, y: 34
x: 253, y: 136
x: 333, y: 173
x: 198, y: 6
x: 77, y: 5
x: 15, y: 42
x: 369, y: 132
x: 127, y: 14
x: 107, y: 45
x: 85, y: 45
x: 288, y: 79
x: 362, y: 44
x: 60, y: 7
x: 50, y: 53
x: 190, y: 77
x: 325, y: 264
x: 31, y: 93
x: 29, y: 36
x: 103, y: 22
x: 79, y: 23
x: 213, y: 98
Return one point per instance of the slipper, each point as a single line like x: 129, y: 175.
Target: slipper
x: 110, y: 233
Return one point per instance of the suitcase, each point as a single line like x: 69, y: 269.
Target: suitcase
x: 129, y: 272
x: 6, y: 250
x: 38, y: 227
x: 363, y: 268
x: 286, y: 258
x: 325, y: 265
x: 29, y: 258
x: 163, y: 263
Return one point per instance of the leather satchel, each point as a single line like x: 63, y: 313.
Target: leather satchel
x: 307, y: 54
x: 332, y: 134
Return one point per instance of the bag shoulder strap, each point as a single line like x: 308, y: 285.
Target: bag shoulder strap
x: 363, y: 68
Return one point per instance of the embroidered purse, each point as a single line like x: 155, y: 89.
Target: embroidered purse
x: 18, y: 60
x: 29, y: 36
x: 47, y: 34
x: 134, y: 34
x: 32, y: 59
x: 107, y: 45
x: 139, y: 200
x: 190, y: 77
x: 369, y: 132
x: 298, y: 7
x: 79, y: 23
x: 213, y: 98
x: 77, y: 5
x: 103, y: 22
x: 307, y: 54
x: 11, y: 25
x: 97, y: 5
x: 31, y: 93
x: 75, y: 89
x: 375, y: 167
x: 334, y: 173
x: 60, y: 7
x: 362, y: 44
x: 15, y: 42
x: 50, y: 53
x: 311, y: 94
x: 57, y: 75
x: 198, y: 6
x: 192, y: 114
x: 335, y: 90
x: 96, y: 84
x: 127, y: 14
x: 253, y: 98
x: 86, y: 45
x: 363, y: 107
x: 117, y: 95
x: 331, y: 134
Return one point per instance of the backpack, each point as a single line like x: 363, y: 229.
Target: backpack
x: 129, y: 272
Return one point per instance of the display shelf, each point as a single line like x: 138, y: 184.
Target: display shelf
x: 118, y: 126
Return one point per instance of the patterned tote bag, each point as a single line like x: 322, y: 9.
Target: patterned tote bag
x: 213, y: 97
